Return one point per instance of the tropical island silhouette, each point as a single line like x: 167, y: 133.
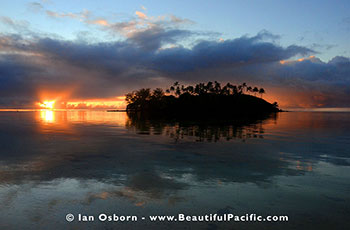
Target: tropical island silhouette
x: 209, y: 99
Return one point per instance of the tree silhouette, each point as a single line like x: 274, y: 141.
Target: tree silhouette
x: 143, y: 94
x: 210, y: 98
x: 261, y: 91
x: 240, y: 89
x: 275, y: 105
x: 171, y: 89
x: 244, y: 86
x: 178, y: 91
x: 255, y: 90
x: 249, y: 89
x: 157, y: 94
x: 217, y: 87
x: 210, y: 87
x: 130, y: 97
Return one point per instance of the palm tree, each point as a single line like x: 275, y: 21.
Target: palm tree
x: 255, y: 90
x: 157, y: 94
x: 249, y: 89
x: 229, y: 88
x: 217, y: 87
x: 244, y: 86
x: 202, y: 88
x: 143, y: 95
x: 130, y: 97
x: 178, y: 91
x: 183, y: 89
x: 190, y: 89
x: 210, y: 87
x: 261, y: 91
x: 196, y: 89
x: 234, y: 89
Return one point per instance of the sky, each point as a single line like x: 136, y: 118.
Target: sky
x: 98, y: 50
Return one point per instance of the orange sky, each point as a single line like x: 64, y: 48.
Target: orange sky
x: 286, y: 97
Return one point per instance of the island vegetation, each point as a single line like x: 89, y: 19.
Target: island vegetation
x: 209, y: 99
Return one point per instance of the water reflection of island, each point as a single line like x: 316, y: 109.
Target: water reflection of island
x: 200, y: 130
x: 89, y: 161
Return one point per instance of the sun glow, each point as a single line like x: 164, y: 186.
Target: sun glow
x: 296, y: 61
x: 106, y: 103
x: 56, y: 100
x: 47, y: 104
x: 47, y: 116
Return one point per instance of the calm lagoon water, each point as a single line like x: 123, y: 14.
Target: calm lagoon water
x: 91, y: 162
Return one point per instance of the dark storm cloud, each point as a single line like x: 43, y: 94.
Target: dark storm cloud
x: 153, y: 39
x: 142, y: 60
x: 236, y: 52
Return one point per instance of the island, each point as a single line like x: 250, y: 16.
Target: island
x: 209, y: 99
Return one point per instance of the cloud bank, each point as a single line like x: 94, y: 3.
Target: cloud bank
x: 151, y: 53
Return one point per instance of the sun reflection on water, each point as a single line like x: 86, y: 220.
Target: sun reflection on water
x: 47, y: 116
x: 66, y: 117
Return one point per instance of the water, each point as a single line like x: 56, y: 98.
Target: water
x: 91, y: 162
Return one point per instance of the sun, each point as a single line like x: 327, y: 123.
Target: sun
x: 47, y: 104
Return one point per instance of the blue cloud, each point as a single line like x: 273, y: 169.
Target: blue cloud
x: 113, y: 68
